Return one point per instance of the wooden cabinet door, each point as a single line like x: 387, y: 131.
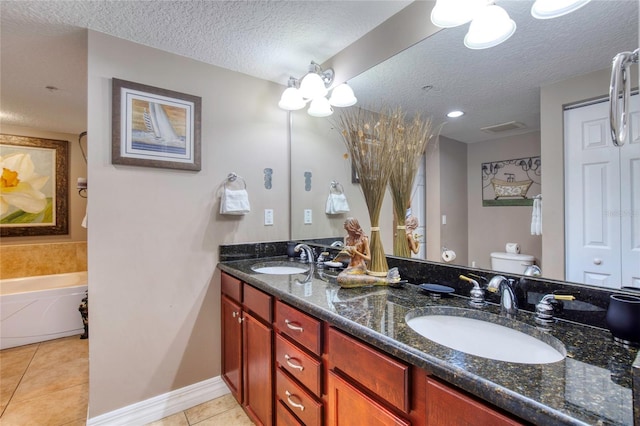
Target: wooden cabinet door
x: 258, y: 370
x: 232, y: 346
x: 348, y: 406
x: 447, y: 406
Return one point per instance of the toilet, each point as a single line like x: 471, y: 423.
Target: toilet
x: 511, y: 262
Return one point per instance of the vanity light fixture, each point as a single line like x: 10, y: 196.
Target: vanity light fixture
x: 491, y: 24
x: 313, y: 89
x: 455, y: 114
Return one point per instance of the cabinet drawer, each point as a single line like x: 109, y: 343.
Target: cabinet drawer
x: 302, y: 328
x: 257, y: 302
x: 298, y: 400
x: 231, y: 286
x: 303, y: 367
x: 284, y: 416
x: 358, y: 360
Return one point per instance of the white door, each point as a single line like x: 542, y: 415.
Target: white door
x: 630, y: 200
x: 602, y: 246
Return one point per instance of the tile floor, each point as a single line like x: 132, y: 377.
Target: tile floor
x: 48, y: 384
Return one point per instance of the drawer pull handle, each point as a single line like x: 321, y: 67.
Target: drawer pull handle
x: 293, y: 326
x: 295, y: 404
x: 291, y: 364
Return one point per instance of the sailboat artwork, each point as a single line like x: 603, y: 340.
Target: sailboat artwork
x: 155, y: 127
x: 158, y: 132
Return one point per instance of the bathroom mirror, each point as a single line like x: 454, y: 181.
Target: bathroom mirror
x: 440, y: 73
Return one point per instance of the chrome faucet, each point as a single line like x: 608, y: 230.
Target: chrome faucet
x: 337, y: 243
x: 308, y: 251
x: 506, y: 288
x: 532, y: 271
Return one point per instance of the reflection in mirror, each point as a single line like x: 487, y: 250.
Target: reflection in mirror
x: 504, y: 91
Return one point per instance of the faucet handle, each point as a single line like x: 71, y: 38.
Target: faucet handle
x: 544, y: 309
x: 476, y: 294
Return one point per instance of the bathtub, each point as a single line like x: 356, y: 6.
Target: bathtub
x: 39, y: 308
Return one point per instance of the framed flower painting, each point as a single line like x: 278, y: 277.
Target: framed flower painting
x: 33, y: 186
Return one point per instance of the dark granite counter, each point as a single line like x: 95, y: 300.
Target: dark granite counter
x: 592, y: 385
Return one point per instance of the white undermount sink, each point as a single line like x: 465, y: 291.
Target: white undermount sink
x: 279, y: 268
x: 486, y: 339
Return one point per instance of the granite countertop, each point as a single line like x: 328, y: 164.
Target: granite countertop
x: 592, y: 385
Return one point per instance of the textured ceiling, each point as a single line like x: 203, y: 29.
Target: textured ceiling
x: 44, y: 43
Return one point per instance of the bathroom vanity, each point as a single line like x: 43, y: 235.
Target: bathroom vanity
x: 299, y: 349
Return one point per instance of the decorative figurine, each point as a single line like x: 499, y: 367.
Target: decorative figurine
x: 411, y: 224
x: 357, y: 247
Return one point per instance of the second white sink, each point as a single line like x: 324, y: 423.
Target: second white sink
x: 485, y: 339
x: 279, y: 268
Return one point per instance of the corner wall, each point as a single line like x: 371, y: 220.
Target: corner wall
x: 154, y: 233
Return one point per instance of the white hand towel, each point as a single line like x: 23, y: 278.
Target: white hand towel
x: 337, y: 204
x: 536, y: 217
x: 235, y: 202
x: 84, y: 221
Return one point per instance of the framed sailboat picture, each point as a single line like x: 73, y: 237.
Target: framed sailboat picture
x: 155, y: 127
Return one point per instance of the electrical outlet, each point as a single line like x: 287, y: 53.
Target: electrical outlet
x: 307, y: 217
x: 268, y: 217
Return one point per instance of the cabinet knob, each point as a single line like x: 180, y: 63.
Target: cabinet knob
x: 597, y: 261
x: 292, y: 325
x: 293, y: 403
x: 291, y: 364
x: 234, y: 314
x: 239, y: 320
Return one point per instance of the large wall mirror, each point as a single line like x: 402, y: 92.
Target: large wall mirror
x: 501, y: 86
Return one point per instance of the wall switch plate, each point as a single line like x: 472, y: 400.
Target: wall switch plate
x: 307, y: 217
x: 444, y: 219
x: 268, y: 217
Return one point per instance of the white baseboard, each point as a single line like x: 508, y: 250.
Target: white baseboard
x: 161, y: 406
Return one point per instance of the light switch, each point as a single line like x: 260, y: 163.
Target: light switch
x: 307, y: 217
x: 268, y: 217
x: 444, y: 219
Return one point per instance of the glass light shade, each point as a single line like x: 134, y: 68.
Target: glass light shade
x: 291, y: 99
x: 342, y: 96
x: 489, y: 28
x: 312, y: 86
x: 451, y: 13
x: 547, y: 9
x: 320, y: 107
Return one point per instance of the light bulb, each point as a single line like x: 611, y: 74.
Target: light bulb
x: 547, y: 9
x: 451, y: 13
x: 291, y: 99
x: 312, y: 86
x: 320, y: 107
x: 489, y: 28
x: 342, y: 96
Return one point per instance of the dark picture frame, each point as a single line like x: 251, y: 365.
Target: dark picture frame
x: 36, y: 169
x: 154, y: 127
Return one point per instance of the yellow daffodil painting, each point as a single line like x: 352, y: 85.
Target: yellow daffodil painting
x: 33, y: 186
x: 21, y: 196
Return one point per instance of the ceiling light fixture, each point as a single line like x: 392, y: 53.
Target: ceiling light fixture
x: 491, y: 24
x: 313, y: 89
x: 455, y: 114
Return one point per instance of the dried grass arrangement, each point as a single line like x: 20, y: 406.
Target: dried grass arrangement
x: 369, y: 137
x: 410, y: 141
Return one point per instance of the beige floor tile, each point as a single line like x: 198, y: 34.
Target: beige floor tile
x: 57, y: 408
x: 54, y: 352
x: 234, y: 417
x: 14, y: 361
x: 41, y: 381
x: 178, y: 419
x: 8, y: 386
x: 211, y: 408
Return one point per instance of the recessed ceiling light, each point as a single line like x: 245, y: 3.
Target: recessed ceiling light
x: 455, y: 114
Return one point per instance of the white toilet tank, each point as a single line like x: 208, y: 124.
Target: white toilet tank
x: 511, y: 262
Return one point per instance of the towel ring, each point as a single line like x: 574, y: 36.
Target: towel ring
x: 233, y: 179
x: 336, y: 187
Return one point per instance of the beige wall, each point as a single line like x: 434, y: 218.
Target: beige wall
x: 453, y: 199
x: 553, y: 98
x: 154, y: 233
x: 490, y: 228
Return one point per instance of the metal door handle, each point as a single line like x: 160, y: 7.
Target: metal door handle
x: 293, y: 326
x: 295, y: 404
x: 291, y: 364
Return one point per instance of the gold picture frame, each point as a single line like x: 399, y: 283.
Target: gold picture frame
x: 154, y: 127
x: 35, y: 186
